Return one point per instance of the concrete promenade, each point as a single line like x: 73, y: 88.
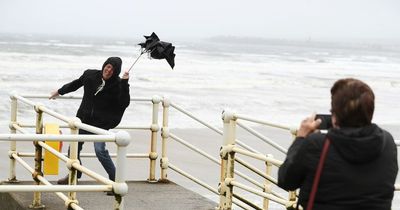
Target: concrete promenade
x: 142, y: 196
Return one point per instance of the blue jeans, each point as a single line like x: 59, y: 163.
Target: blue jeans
x: 102, y: 155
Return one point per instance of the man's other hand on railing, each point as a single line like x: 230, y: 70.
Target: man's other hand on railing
x: 54, y: 94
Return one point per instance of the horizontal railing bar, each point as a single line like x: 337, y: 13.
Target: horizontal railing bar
x: 83, y: 170
x: 260, y: 173
x: 136, y: 155
x: 195, y: 118
x: 397, y: 187
x: 257, y: 171
x: 187, y: 175
x: 59, y: 194
x: 262, y: 137
x: 25, y: 125
x: 245, y: 201
x: 86, y: 155
x: 133, y: 127
x: 91, y: 128
x: 55, y: 114
x: 262, y: 194
x: 44, y: 181
x: 397, y: 142
x: 66, y: 159
x: 208, y: 125
x: 248, y: 118
x: 57, y: 137
x: 257, y: 156
x: 78, y: 97
x: 55, y: 188
x: 47, y: 96
x: 66, y: 119
x: 194, y: 179
x: 47, y: 147
x: 192, y: 147
x: 24, y: 100
x: 92, y: 174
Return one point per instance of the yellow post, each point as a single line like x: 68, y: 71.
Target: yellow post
x: 50, y: 164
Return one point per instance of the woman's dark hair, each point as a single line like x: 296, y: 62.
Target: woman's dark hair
x: 353, y: 103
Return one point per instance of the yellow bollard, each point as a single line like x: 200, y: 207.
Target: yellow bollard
x: 50, y: 163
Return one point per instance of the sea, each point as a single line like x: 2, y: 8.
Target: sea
x: 275, y: 80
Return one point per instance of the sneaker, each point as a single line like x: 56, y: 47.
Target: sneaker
x: 63, y: 181
x: 110, y: 193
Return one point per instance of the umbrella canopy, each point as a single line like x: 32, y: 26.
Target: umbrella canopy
x: 150, y: 42
x: 159, y: 49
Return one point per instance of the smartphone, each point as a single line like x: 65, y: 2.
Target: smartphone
x: 326, y: 121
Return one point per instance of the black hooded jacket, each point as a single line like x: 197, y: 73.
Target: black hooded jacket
x: 359, y: 172
x: 105, y: 109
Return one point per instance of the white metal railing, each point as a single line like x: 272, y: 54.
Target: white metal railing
x: 165, y: 133
x: 154, y: 128
x: 228, y: 158
x: 228, y: 151
x: 121, y: 139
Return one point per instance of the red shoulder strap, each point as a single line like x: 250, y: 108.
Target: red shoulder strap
x: 321, y: 162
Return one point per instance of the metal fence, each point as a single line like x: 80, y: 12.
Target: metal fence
x: 231, y: 146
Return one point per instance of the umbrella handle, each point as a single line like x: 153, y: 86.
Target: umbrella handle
x: 135, y: 61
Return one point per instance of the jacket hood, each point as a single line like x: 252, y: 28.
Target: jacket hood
x: 358, y: 145
x: 116, y: 62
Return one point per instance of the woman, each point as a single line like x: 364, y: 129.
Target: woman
x: 361, y: 162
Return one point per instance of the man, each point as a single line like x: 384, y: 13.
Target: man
x: 104, y: 101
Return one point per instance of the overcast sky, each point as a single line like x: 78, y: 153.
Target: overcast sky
x: 287, y: 19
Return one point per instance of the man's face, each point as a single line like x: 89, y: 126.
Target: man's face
x: 108, y: 71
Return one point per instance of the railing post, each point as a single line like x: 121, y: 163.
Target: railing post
x: 120, y: 188
x: 153, y: 147
x: 267, y: 184
x: 73, y: 156
x: 227, y: 161
x: 37, y: 203
x: 12, y: 177
x: 165, y: 135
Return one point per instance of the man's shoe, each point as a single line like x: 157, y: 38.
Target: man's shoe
x: 110, y: 193
x: 63, y: 181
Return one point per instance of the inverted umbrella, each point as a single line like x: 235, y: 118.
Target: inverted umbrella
x: 150, y: 42
x: 164, y: 50
x: 157, y: 49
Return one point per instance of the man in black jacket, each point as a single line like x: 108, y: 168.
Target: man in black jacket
x: 360, y: 168
x: 105, y: 98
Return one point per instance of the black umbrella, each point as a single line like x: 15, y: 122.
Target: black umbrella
x: 150, y: 42
x: 157, y: 49
x: 164, y: 50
